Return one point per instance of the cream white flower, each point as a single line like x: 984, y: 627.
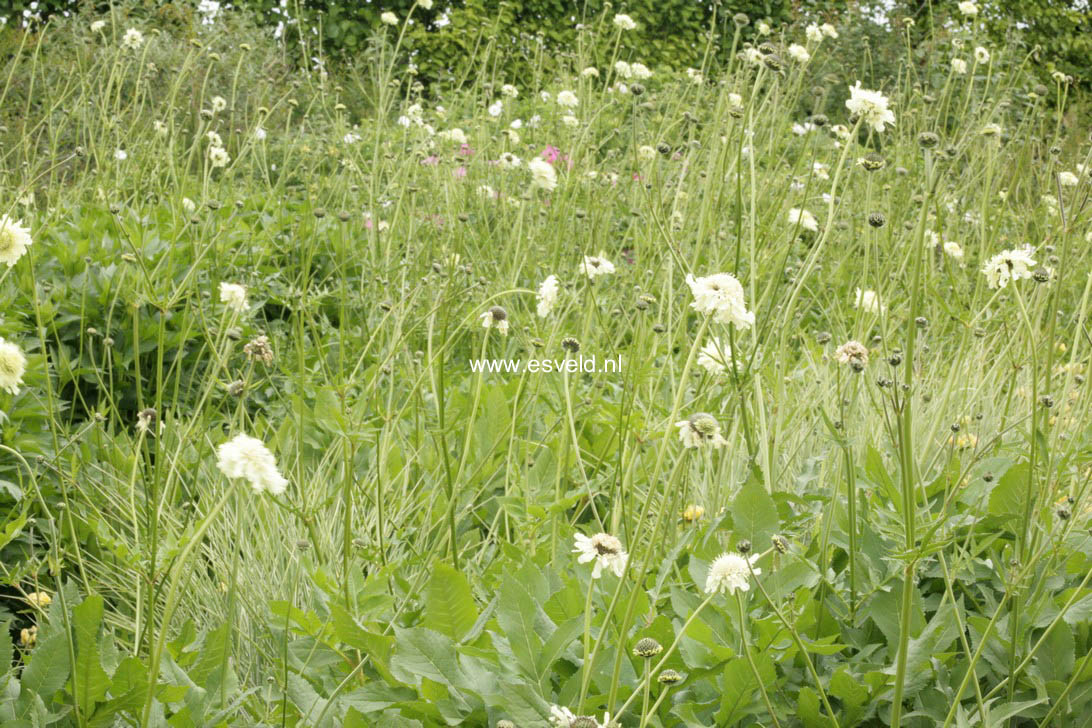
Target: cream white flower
x: 509, y: 91
x: 507, y: 160
x: 567, y: 99
x: 161, y: 127
x: 640, y: 71
x: 720, y: 296
x: 763, y: 27
x: 695, y: 75
x: 496, y: 108
x: 594, y: 266
x: 968, y: 8
x: 219, y: 103
x: 869, y: 301
x: 247, y: 457
x: 716, y: 357
x: 496, y: 317
x: 570, y: 121
x: 1068, y: 179
x: 735, y: 99
x: 799, y: 53
x: 13, y: 365
x: 604, y: 550
x: 234, y: 296
x: 547, y: 295
x: 730, y: 572
x: 981, y: 55
x: 543, y: 174
x: 1009, y: 265
x: 389, y: 18
x: 590, y: 72
x: 753, y: 56
x: 120, y: 154
x: 624, y: 22
x: 828, y: 30
x: 853, y: 353
x: 700, y: 430
x: 646, y: 153
x: 871, y: 106
x: 804, y: 219
x: 133, y: 39
x: 218, y: 157
x: 561, y: 717
x: 189, y: 205
x: 14, y: 240
x: 814, y: 33
x: 959, y: 66
x: 97, y: 26
x: 454, y: 134
x: 954, y: 251
x: 259, y: 134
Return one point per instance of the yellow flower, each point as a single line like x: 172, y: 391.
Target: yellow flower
x: 39, y: 599
x: 693, y: 513
x: 28, y: 636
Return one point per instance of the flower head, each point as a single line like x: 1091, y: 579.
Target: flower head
x: 597, y: 265
x: 13, y: 364
x: 804, y: 219
x: 853, y: 353
x: 968, y: 8
x: 389, y: 18
x: 1009, y: 265
x: 981, y: 55
x: 716, y: 357
x: 496, y: 317
x: 247, y: 457
x: 234, y: 296
x: 870, y: 106
x: 567, y: 99
x: 543, y: 174
x: 602, y: 548
x: 14, y: 240
x: 133, y: 39
x: 39, y: 599
x: 799, y: 53
x: 624, y: 22
x: 731, y: 572
x: 547, y: 296
x: 868, y: 301
x: 218, y: 157
x: 721, y: 296
x: 700, y: 429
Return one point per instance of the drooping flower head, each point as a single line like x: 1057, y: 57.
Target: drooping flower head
x: 14, y: 240
x: 720, y: 296
x: 604, y: 550
x: 13, y: 364
x: 870, y: 106
x: 547, y: 296
x: 700, y: 430
x: 496, y: 317
x: 247, y: 457
x: 731, y: 572
x: 804, y: 219
x: 868, y: 301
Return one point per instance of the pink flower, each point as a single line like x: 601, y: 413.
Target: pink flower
x: 465, y: 150
x: 551, y: 153
x: 430, y: 161
x: 459, y: 172
x: 636, y: 177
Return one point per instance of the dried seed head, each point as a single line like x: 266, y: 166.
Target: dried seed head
x: 877, y: 220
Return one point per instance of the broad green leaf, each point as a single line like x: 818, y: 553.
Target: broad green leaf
x: 90, y: 681
x: 449, y: 605
x: 421, y: 652
x: 1007, y: 499
x: 755, y: 515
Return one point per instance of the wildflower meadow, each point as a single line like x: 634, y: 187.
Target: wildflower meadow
x: 603, y: 394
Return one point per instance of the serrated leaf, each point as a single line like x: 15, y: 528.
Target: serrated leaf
x: 449, y: 605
